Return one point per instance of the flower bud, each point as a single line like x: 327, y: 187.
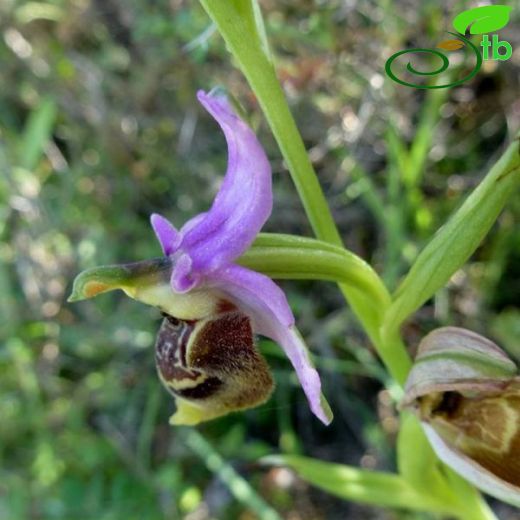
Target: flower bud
x: 466, y: 392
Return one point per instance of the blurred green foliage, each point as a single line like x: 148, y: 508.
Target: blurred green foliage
x: 99, y: 127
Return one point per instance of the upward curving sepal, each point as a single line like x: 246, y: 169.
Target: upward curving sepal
x: 244, y: 201
x: 168, y: 236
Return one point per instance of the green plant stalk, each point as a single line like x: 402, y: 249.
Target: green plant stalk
x: 393, y: 352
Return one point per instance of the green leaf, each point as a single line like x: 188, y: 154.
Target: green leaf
x: 370, y: 487
x: 36, y: 134
x: 480, y: 20
x: 454, y: 242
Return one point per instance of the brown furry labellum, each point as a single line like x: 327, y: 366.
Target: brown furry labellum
x: 211, y: 365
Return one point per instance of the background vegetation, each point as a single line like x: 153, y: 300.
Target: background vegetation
x: 99, y: 127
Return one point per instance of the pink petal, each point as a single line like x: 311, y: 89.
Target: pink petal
x: 244, y: 201
x: 261, y: 299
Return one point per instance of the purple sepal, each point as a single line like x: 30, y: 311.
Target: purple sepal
x: 168, y: 236
x: 244, y: 201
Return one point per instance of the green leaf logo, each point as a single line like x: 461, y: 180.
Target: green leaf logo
x: 480, y: 20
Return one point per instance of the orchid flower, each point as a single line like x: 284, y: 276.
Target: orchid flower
x: 466, y: 392
x: 205, y: 352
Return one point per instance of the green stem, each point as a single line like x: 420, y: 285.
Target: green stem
x: 394, y: 355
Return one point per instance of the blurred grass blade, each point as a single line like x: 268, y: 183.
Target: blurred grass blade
x: 238, y: 486
x: 397, y: 151
x: 368, y: 190
x: 36, y: 134
x: 148, y: 424
x: 423, y: 137
x: 31, y: 11
x: 454, y: 242
x: 370, y: 487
